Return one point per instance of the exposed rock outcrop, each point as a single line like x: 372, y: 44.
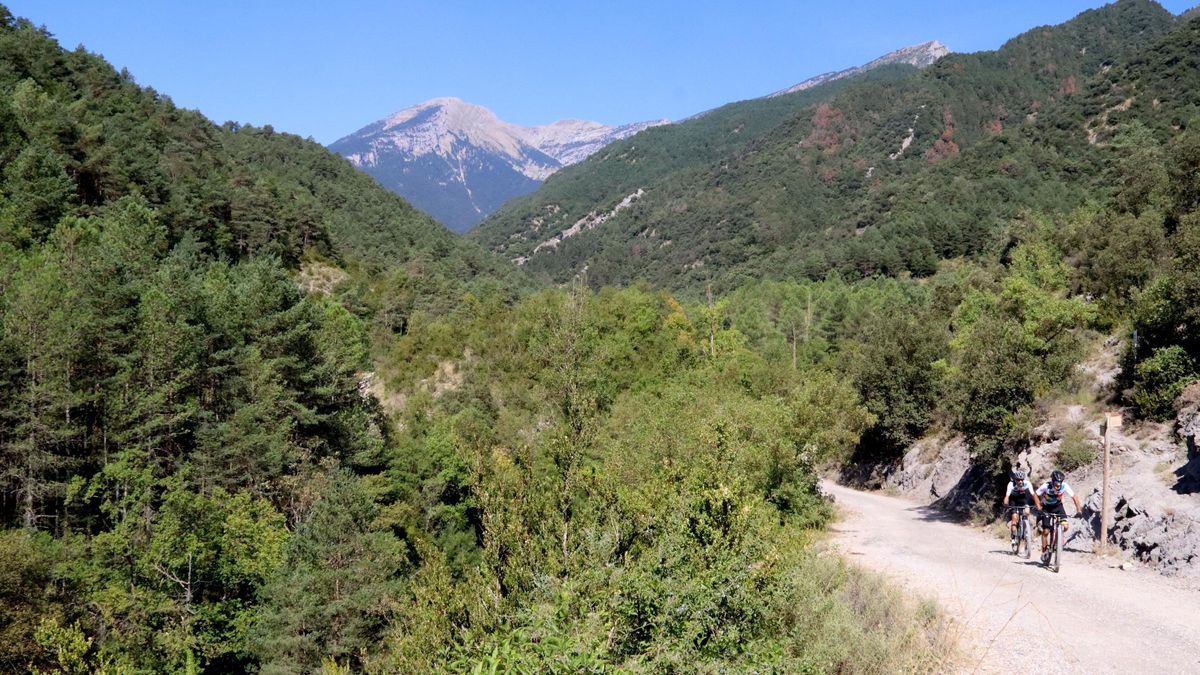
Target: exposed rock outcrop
x: 1187, y: 417
x: 1165, y: 538
x: 920, y: 56
x: 931, y: 468
x: 1154, y: 496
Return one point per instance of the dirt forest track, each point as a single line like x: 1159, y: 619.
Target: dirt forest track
x: 1013, y: 615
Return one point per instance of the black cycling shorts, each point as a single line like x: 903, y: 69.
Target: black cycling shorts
x: 1057, y: 509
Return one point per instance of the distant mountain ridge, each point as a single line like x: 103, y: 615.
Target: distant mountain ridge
x: 887, y: 172
x: 459, y: 162
x: 586, y: 195
x: 922, y: 55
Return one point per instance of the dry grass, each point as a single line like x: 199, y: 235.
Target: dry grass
x: 850, y: 619
x: 893, y: 632
x: 318, y: 277
x: 1165, y: 471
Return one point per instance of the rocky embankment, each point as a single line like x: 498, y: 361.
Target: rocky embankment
x: 1155, y: 483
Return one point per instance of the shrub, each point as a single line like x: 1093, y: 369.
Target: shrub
x: 1077, y: 450
x: 1160, y: 379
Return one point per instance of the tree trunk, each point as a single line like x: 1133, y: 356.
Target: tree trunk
x: 712, y: 325
x: 793, y: 346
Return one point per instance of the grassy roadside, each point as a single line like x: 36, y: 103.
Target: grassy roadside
x: 869, y: 623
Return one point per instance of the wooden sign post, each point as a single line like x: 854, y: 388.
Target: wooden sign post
x: 1112, y: 421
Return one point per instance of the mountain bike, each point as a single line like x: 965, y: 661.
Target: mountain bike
x: 1024, y: 530
x: 1052, y: 556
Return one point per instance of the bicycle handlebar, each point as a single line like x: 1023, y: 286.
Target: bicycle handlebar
x: 1043, y: 512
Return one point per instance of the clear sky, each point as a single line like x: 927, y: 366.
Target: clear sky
x: 325, y: 69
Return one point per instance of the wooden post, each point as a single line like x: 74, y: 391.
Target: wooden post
x: 1112, y: 421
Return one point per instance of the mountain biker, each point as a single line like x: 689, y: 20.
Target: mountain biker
x: 1052, y: 492
x: 1020, y: 493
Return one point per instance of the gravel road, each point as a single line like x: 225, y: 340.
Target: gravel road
x: 1016, y: 616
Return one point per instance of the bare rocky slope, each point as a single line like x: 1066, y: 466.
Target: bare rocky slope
x: 924, y: 54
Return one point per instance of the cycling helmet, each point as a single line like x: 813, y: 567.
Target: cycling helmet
x: 1057, y: 477
x: 1018, y: 475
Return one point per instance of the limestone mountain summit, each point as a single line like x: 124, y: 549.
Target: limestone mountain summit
x: 922, y: 55
x: 459, y: 161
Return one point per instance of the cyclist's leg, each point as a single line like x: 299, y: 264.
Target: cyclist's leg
x: 1052, y: 522
x: 1045, y: 531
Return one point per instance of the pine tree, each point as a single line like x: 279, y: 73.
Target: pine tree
x: 45, y: 325
x: 37, y: 192
x: 336, y: 588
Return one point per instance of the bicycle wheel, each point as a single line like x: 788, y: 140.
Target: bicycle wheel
x: 1027, y: 537
x: 1057, y: 545
x: 1016, y: 541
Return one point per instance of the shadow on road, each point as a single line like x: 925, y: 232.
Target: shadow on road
x: 933, y: 514
x: 1034, y: 561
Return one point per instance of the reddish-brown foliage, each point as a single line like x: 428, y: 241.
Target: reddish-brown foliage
x: 944, y: 146
x: 828, y: 124
x: 1069, y: 86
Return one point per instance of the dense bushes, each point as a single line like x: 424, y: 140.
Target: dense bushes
x: 198, y: 470
x: 650, y: 524
x: 1160, y: 379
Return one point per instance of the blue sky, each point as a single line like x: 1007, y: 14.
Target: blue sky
x: 325, y: 69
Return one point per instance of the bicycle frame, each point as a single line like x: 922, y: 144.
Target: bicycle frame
x: 1024, y: 531
x: 1055, y: 545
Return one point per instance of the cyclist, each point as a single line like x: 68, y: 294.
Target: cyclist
x: 1052, y: 492
x: 1017, y: 497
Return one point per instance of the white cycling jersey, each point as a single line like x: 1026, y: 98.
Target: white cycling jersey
x: 1053, y: 496
x: 1028, y: 488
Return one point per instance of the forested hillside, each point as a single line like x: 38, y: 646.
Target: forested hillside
x: 650, y: 158
x: 256, y: 415
x: 76, y: 136
x: 887, y: 176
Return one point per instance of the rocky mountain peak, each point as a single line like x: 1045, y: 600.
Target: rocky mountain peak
x: 920, y: 55
x: 458, y: 161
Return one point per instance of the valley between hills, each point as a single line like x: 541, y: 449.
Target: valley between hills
x: 737, y: 392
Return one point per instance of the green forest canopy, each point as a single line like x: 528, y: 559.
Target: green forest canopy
x: 824, y: 185
x: 198, y: 473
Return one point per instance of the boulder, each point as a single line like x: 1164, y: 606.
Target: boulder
x: 931, y: 468
x: 1187, y: 417
x: 949, y: 468
x: 1170, y: 541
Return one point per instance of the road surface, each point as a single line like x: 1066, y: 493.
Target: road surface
x: 1014, y: 615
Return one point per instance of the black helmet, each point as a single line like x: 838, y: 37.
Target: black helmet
x: 1057, y: 477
